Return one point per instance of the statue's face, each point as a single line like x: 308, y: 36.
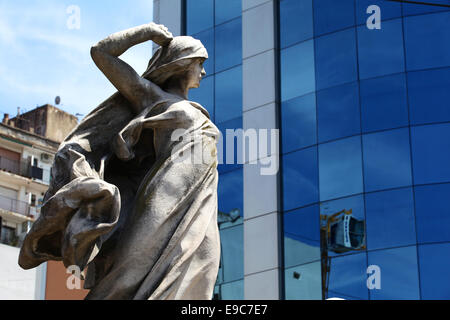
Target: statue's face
x: 196, y: 73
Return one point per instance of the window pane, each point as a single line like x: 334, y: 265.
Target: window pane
x: 399, y: 276
x: 207, y: 38
x: 390, y: 219
x: 429, y: 96
x: 199, y: 15
x: 296, y: 23
x: 228, y: 94
x: 380, y: 52
x: 340, y: 168
x: 301, y: 236
x: 227, y: 10
x: 434, y: 261
x: 388, y: 10
x: 303, y: 282
x: 204, y: 95
x: 236, y: 163
x: 233, y: 290
x: 300, y: 178
x: 228, y: 44
x: 332, y: 15
x: 336, y: 58
x: 338, y: 112
x: 410, y: 9
x: 347, y: 277
x: 232, y: 245
x: 299, y: 122
x: 328, y: 211
x: 230, y: 191
x: 432, y: 213
x: 427, y: 47
x: 297, y: 70
x: 387, y: 161
x: 383, y: 103
x: 431, y: 153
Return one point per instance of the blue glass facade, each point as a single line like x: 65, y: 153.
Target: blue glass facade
x: 218, y: 24
x: 365, y: 122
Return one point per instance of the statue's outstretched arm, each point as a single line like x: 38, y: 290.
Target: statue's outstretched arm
x: 138, y: 90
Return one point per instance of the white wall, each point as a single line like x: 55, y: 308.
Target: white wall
x: 15, y: 283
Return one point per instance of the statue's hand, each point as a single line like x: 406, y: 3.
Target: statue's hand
x: 161, y: 35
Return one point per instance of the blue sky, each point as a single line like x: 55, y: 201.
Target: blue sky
x: 41, y: 57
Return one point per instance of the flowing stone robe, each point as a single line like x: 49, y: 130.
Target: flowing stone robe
x: 127, y: 202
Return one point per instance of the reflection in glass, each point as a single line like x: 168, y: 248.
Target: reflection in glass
x: 390, y: 219
x: 303, y: 282
x: 374, y: 57
x: 232, y: 253
x: 300, y: 178
x: 296, y: 22
x: 228, y: 44
x: 232, y: 291
x: 431, y: 153
x: 199, y: 15
x: 389, y: 10
x: 297, y: 70
x: 227, y: 10
x: 340, y: 168
x: 383, y: 103
x: 432, y: 213
x: 434, y: 262
x: 338, y: 112
x: 332, y: 15
x: 205, y: 95
x: 228, y: 95
x: 230, y: 192
x: 222, y: 146
x: 336, y: 58
x: 399, y: 276
x: 301, y: 236
x: 429, y: 96
x: 427, y: 47
x: 387, y: 161
x: 298, y: 118
x: 412, y: 9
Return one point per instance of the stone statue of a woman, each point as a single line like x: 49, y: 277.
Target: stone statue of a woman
x: 124, y: 200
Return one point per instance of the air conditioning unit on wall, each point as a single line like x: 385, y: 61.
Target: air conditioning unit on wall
x: 45, y: 157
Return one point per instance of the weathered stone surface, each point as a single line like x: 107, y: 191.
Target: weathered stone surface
x: 123, y: 200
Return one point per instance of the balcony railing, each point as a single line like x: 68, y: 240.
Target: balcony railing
x: 15, y: 206
x: 24, y: 169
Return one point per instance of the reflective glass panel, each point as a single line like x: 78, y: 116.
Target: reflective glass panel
x: 301, y: 236
x: 431, y: 153
x: 388, y: 10
x: 434, y: 262
x: 296, y: 21
x: 207, y: 39
x: 232, y: 263
x: 228, y: 94
x: 231, y: 143
x: 398, y: 274
x: 303, y: 282
x: 227, y: 10
x: 228, y: 44
x: 338, y: 112
x: 340, y: 168
x: 332, y: 15
x: 347, y: 277
x: 199, y: 15
x: 429, y: 96
x: 433, y: 213
x: 380, y: 51
x: 233, y: 290
x: 383, y: 103
x: 298, y: 118
x: 427, y: 47
x: 387, y: 161
x: 300, y: 178
x: 410, y: 9
x: 390, y: 219
x: 204, y: 95
x: 230, y: 192
x: 297, y: 70
x: 336, y: 58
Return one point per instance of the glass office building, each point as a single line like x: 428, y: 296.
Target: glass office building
x: 360, y: 91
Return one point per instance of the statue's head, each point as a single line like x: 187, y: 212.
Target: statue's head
x: 183, y: 56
